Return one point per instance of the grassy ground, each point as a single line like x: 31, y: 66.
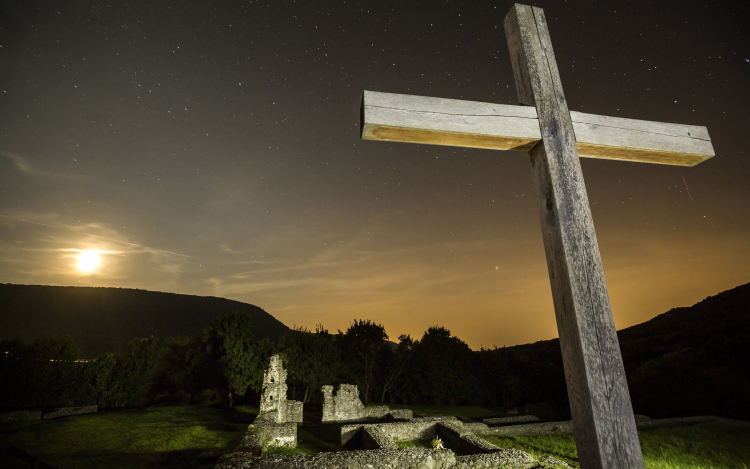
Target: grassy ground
x: 163, y: 437
x: 154, y: 437
x: 703, y: 446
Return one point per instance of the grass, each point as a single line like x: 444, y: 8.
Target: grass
x: 162, y: 437
x: 703, y: 446
x: 152, y: 437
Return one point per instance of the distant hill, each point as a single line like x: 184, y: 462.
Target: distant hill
x: 105, y: 319
x: 687, y: 361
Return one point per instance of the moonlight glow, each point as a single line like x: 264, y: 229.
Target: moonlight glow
x: 88, y: 260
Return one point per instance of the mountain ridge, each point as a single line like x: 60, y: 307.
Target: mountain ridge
x: 692, y: 360
x: 102, y: 319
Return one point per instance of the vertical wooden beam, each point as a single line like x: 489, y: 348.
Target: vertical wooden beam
x: 603, y: 423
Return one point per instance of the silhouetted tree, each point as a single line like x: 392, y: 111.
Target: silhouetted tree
x: 396, y: 363
x: 362, y: 345
x: 229, y: 343
x: 442, y: 370
x: 311, y: 359
x: 44, y: 373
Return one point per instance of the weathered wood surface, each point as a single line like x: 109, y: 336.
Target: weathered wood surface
x: 438, y: 121
x: 643, y: 141
x: 604, y: 426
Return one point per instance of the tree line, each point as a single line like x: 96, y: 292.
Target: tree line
x: 225, y: 364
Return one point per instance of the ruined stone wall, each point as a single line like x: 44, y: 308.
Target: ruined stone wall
x: 66, y: 411
x: 293, y: 411
x: 274, y: 406
x: 265, y: 433
x: 346, y: 403
x: 329, y: 407
x: 346, y: 406
x: 273, y: 396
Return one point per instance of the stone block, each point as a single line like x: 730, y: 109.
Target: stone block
x: 264, y: 434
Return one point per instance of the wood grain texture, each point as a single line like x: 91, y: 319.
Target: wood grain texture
x: 603, y: 422
x: 438, y: 121
x: 431, y: 137
x: 642, y: 141
x: 418, y: 119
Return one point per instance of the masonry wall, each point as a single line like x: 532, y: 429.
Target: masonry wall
x: 417, y: 429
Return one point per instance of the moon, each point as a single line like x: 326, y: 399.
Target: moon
x: 88, y: 260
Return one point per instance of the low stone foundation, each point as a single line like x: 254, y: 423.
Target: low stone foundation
x: 510, y: 420
x: 504, y: 458
x: 475, y: 427
x: 416, y: 429
x: 375, y: 438
x: 547, y: 428
x: 405, y: 458
x: 457, y: 437
x: 566, y: 427
x: 376, y: 411
x: 400, y: 414
x: 66, y: 411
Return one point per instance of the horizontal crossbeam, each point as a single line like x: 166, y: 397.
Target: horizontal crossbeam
x: 438, y: 121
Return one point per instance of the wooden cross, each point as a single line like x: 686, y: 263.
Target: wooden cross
x: 603, y: 423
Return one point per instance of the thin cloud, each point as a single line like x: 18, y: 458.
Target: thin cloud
x: 21, y: 163
x: 147, y: 248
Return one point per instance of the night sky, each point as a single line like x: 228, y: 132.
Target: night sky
x: 212, y: 148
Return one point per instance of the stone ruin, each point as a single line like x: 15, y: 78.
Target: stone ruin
x: 274, y: 407
x: 346, y: 406
x: 370, y: 444
x: 276, y: 423
x: 373, y: 445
